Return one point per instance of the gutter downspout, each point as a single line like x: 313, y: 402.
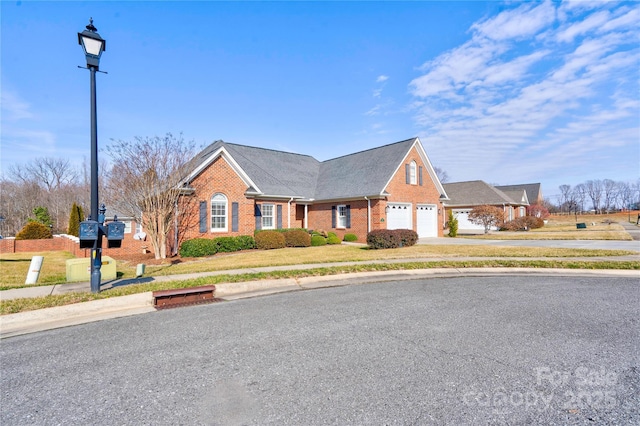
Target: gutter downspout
x: 306, y: 216
x: 289, y: 213
x: 368, y: 214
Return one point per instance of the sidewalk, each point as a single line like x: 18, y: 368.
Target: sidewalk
x: 97, y: 310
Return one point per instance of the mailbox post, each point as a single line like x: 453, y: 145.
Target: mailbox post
x: 91, y: 233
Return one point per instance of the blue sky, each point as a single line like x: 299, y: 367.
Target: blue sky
x: 508, y: 93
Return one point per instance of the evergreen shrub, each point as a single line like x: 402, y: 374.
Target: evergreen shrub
x: 198, y: 247
x: 453, y: 225
x: 350, y: 237
x: 34, y: 231
x: 394, y: 238
x: 297, y: 238
x: 270, y: 239
x: 318, y: 240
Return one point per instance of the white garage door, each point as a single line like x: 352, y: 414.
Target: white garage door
x: 399, y: 216
x: 463, y: 221
x: 427, y: 218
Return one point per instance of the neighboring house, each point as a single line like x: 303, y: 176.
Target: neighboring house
x: 464, y: 196
x: 533, y: 190
x: 239, y: 189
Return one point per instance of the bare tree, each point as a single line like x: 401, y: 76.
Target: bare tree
x: 442, y: 174
x: 610, y: 192
x: 593, y: 190
x: 146, y: 183
x: 57, y: 183
x: 565, y: 195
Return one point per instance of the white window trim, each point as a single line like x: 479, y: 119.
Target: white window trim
x: 272, y: 216
x: 127, y: 226
x: 226, y: 213
x: 341, y: 220
x: 413, y: 173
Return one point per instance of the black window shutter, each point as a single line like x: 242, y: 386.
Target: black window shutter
x: 407, y: 172
x: 348, y: 216
x: 203, y: 216
x: 279, y: 214
x: 258, y: 215
x: 420, y: 174
x: 333, y: 216
x: 234, y: 217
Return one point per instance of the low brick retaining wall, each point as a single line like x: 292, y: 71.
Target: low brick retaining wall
x: 71, y: 244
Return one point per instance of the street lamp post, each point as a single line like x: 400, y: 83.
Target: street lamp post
x: 93, y: 46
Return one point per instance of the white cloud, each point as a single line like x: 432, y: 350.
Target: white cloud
x: 13, y: 107
x: 529, y: 88
x: 526, y: 20
x: 382, y: 78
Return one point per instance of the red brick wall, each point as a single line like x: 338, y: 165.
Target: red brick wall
x: 427, y: 193
x: 320, y: 218
x: 219, y: 177
x: 58, y: 242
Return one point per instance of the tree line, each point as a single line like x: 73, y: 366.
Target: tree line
x: 599, y: 196
x: 144, y: 181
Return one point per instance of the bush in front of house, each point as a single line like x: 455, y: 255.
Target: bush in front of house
x: 318, y: 240
x: 198, y: 247
x: 452, y: 223
x: 332, y: 238
x: 297, y: 238
x: 227, y: 244
x: 267, y: 240
x: 391, y: 238
x: 350, y: 238
x: 246, y: 242
x: 34, y: 231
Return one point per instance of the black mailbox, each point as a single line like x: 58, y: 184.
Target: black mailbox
x: 89, y: 231
x: 115, y: 234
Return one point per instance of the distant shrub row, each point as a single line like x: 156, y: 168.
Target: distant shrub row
x: 394, y: 238
x: 523, y: 224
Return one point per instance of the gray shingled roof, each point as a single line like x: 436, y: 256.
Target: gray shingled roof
x: 532, y: 190
x: 364, y: 173
x: 281, y: 173
x: 276, y: 173
x: 476, y: 193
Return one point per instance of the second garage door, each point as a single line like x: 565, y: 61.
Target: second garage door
x: 427, y: 218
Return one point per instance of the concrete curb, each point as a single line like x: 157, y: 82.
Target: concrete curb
x: 97, y: 310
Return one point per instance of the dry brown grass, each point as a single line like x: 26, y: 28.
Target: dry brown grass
x: 599, y: 227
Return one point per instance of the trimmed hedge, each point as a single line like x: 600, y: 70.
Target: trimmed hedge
x: 333, y: 239
x: 350, y: 237
x: 34, y: 231
x: 270, y: 239
x: 199, y: 247
x: 318, y: 240
x: 391, y: 238
x: 297, y: 238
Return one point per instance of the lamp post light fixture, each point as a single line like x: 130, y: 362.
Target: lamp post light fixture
x: 92, y: 230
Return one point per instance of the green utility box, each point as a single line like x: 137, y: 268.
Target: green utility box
x: 80, y: 269
x: 581, y: 225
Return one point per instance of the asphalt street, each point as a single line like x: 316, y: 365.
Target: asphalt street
x: 465, y: 350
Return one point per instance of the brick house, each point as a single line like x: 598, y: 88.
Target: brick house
x: 237, y: 189
x: 464, y: 196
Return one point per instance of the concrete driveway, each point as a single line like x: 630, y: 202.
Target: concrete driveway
x: 511, y: 349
